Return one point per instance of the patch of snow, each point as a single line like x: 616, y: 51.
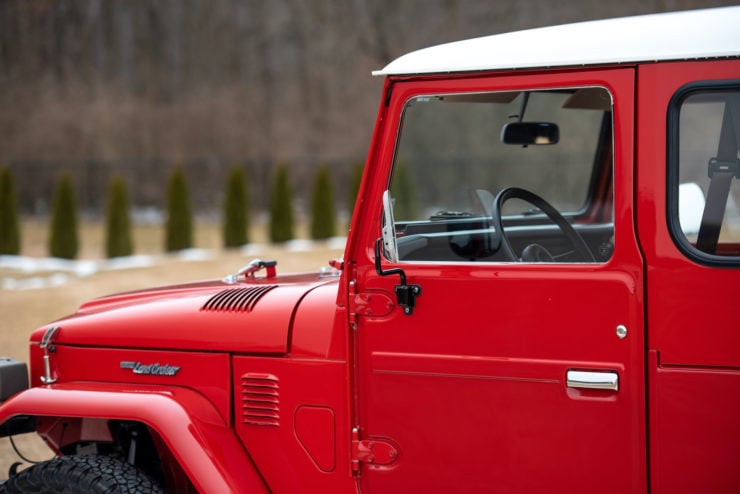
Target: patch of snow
x: 195, y: 255
x: 336, y: 242
x: 251, y: 250
x: 53, y: 272
x: 36, y: 282
x: 62, y: 271
x: 298, y: 245
x: 129, y: 262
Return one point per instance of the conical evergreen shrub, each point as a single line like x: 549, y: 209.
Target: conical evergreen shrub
x: 281, y: 207
x: 63, y: 241
x: 236, y: 210
x: 10, y: 237
x: 118, y: 241
x: 179, y: 227
x: 323, y: 214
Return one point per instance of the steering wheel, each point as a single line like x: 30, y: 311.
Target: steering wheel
x: 545, y: 207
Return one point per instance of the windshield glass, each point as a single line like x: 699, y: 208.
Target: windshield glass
x: 450, y: 144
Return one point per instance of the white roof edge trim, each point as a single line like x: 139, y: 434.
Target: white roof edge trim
x: 684, y: 35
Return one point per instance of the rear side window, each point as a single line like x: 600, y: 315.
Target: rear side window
x: 704, y: 172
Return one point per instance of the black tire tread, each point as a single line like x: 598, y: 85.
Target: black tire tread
x: 81, y: 474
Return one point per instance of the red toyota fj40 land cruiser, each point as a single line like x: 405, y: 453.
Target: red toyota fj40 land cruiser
x: 539, y: 293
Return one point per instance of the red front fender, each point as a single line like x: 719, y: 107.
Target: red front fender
x: 190, y: 426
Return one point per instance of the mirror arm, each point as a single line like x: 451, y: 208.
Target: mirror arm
x: 405, y: 294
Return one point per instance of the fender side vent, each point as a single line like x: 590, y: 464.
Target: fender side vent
x: 260, y: 399
x: 237, y: 299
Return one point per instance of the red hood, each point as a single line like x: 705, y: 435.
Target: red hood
x: 252, y: 317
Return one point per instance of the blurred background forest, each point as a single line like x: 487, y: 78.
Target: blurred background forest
x: 135, y: 87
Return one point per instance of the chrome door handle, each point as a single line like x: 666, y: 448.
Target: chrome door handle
x: 593, y: 379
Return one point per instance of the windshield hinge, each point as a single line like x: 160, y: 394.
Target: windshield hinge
x: 371, y: 451
x: 48, y: 347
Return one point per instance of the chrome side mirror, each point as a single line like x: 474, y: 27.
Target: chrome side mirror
x: 390, y: 248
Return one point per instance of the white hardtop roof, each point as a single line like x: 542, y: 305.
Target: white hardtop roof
x: 694, y: 34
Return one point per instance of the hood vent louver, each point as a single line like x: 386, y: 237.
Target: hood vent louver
x: 260, y: 399
x: 237, y: 299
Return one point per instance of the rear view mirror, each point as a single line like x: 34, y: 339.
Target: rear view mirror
x: 530, y: 133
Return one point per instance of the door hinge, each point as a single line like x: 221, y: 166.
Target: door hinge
x: 375, y: 303
x: 371, y: 451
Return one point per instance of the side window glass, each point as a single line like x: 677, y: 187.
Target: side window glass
x: 520, y: 176
x: 704, y: 193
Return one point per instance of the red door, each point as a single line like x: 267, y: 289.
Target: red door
x: 520, y: 373
x: 692, y: 289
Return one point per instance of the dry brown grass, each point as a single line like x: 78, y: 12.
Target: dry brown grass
x: 24, y: 310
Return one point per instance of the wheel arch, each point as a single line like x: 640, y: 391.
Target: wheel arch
x: 187, y: 423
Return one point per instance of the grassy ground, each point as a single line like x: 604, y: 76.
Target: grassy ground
x: 21, y: 311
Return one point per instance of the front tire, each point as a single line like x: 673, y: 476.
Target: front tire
x: 81, y: 474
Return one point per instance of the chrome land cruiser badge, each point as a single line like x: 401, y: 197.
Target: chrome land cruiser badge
x: 150, y: 369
